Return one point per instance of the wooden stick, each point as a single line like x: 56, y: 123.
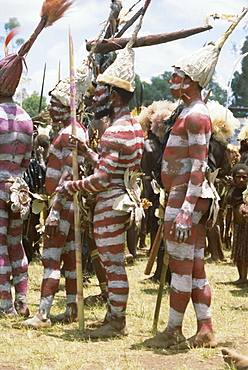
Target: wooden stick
x: 129, y: 23
x: 154, y: 251
x: 107, y: 45
x: 161, y: 288
x: 78, y: 243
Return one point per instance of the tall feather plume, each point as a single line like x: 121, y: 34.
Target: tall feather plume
x: 11, y: 66
x: 52, y: 10
x: 9, y: 37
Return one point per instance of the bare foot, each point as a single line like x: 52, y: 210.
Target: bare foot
x: 240, y: 281
x: 231, y: 357
x: 206, y: 340
x: 165, y: 339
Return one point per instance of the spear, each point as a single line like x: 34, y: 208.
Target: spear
x: 42, y: 89
x: 105, y: 45
x: 160, y: 289
x: 78, y: 244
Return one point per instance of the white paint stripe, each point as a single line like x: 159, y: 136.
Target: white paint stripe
x: 118, y: 297
x: 51, y: 253
x: 199, y: 283
x: 71, y: 298
x: 118, y: 270
x: 19, y: 278
x: 199, y: 253
x: 203, y: 312
x: 5, y: 269
x: 71, y: 274
x: 110, y: 241
x: 118, y: 284
x: 20, y: 263
x: 180, y: 251
x: 51, y: 274
x: 113, y: 257
x: 5, y: 288
x: 181, y: 283
x: 175, y: 318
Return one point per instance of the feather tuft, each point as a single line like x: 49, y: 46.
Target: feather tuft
x: 52, y: 10
x: 9, y: 37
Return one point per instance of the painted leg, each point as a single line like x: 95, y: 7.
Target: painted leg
x: 99, y: 299
x: 109, y: 231
x: 201, y: 298
x: 19, y: 264
x: 6, y: 302
x: 238, y: 360
x: 69, y: 258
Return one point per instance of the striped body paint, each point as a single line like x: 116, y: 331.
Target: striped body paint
x: 16, y: 129
x: 183, y: 169
x: 62, y: 246
x: 121, y: 147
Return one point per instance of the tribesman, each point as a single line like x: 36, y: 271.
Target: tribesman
x: 183, y: 170
x: 16, y: 130
x: 121, y: 147
x: 59, y: 237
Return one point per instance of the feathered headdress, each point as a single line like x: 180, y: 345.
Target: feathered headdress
x: 243, y: 134
x: 11, y: 66
x: 200, y: 65
x: 121, y: 72
x: 223, y: 121
x: 157, y: 111
x: 83, y: 76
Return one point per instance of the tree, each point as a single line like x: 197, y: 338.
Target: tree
x: 239, y: 82
x: 217, y: 93
x: 12, y: 23
x: 159, y: 89
x: 20, y: 95
x: 31, y: 104
x: 19, y: 42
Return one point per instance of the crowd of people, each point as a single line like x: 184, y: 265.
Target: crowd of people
x: 189, y: 207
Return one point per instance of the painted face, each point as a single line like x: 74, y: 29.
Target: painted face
x: 240, y: 179
x: 177, y: 85
x: 58, y: 111
x: 102, y: 105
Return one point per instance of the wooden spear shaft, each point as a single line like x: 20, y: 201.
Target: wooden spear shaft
x: 154, y: 251
x: 119, y: 43
x: 161, y: 288
x: 78, y: 243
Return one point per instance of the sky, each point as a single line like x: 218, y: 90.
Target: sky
x: 85, y: 20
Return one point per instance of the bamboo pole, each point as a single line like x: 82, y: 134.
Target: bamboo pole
x: 78, y: 243
x: 105, y: 45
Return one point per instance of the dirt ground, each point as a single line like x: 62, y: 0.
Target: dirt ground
x: 63, y: 347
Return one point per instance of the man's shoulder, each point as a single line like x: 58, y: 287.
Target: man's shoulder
x: 11, y: 108
x: 196, y: 107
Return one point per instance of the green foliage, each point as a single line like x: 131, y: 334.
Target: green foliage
x: 19, y: 42
x: 217, y: 93
x: 159, y: 89
x: 12, y: 23
x: 239, y: 82
x: 31, y: 104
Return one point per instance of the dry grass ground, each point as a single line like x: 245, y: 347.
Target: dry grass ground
x: 62, y: 346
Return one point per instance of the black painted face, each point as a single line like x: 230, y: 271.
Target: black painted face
x: 102, y: 105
